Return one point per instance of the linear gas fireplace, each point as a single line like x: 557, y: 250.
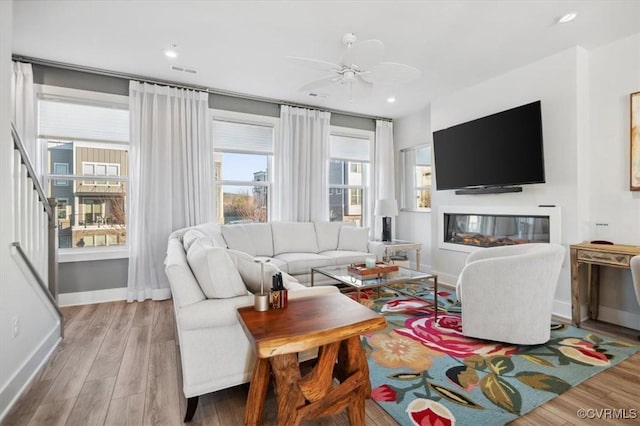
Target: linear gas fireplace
x: 467, y: 228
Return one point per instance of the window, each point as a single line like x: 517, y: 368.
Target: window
x: 416, y: 178
x: 350, y: 153
x: 86, y: 139
x: 60, y: 169
x: 243, y: 149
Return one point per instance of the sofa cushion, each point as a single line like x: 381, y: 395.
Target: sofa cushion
x: 213, y: 231
x: 190, y: 237
x: 215, y: 271
x: 345, y: 257
x: 294, y: 237
x: 301, y: 263
x: 261, y: 238
x: 237, y: 238
x: 281, y: 264
x: 327, y: 234
x: 250, y: 272
x: 353, y: 238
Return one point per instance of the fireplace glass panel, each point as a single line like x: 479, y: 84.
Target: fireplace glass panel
x: 495, y: 230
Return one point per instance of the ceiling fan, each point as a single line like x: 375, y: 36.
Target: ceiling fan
x: 359, y: 69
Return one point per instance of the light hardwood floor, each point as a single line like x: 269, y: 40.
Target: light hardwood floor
x: 119, y: 365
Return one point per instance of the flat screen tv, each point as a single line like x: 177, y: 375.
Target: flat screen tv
x: 495, y: 153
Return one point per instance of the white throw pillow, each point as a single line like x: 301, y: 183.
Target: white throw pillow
x: 353, y: 238
x: 215, y: 271
x: 237, y: 238
x: 190, y: 237
x: 328, y: 234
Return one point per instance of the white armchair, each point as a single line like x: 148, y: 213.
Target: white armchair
x: 507, y: 292
x: 635, y: 274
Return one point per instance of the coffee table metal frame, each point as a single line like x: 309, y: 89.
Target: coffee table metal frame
x: 341, y: 274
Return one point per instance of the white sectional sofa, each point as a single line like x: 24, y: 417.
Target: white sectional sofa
x: 294, y: 247
x: 211, y: 271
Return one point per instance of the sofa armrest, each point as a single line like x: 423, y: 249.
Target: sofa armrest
x: 376, y: 248
x: 211, y: 313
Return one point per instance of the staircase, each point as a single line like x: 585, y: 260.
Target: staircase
x: 34, y: 239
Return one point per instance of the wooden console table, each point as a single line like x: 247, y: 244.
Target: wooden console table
x: 333, y: 323
x: 594, y: 256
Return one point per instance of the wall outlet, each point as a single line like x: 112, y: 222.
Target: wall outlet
x: 15, y: 326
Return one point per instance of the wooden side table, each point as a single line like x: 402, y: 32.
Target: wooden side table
x: 333, y: 323
x: 594, y: 256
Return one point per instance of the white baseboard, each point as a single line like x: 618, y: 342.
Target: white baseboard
x: 562, y: 309
x: 16, y: 386
x: 90, y: 297
x: 615, y: 316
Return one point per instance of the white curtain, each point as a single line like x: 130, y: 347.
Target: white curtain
x: 302, y: 165
x: 170, y: 178
x: 384, y: 171
x: 23, y: 112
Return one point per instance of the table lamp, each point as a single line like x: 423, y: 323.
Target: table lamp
x: 386, y: 208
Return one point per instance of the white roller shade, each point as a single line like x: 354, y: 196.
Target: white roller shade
x: 350, y: 148
x: 64, y: 120
x: 238, y: 137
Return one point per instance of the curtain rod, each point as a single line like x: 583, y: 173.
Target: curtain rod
x: 143, y: 79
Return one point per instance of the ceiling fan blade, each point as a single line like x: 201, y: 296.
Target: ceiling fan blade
x: 391, y: 73
x: 365, y: 54
x: 315, y: 64
x: 320, y: 83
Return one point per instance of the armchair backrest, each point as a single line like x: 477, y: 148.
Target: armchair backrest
x: 635, y: 274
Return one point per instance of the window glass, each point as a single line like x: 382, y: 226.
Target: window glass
x: 242, y: 170
x: 416, y: 185
x: 87, y: 205
x: 349, y: 178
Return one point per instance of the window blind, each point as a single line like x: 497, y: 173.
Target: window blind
x: 65, y: 120
x: 350, y: 148
x: 239, y: 137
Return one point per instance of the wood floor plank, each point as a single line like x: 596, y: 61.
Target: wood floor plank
x: 52, y: 413
x: 163, y: 326
x: 109, y: 358
x: 69, y: 382
x: 136, y: 364
x: 92, y: 403
x: 127, y: 411
x: 161, y: 402
x: 27, y: 404
x: 132, y: 376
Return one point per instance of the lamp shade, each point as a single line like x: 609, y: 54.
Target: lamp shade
x: 386, y: 207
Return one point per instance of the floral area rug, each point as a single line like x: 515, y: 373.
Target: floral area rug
x: 425, y: 372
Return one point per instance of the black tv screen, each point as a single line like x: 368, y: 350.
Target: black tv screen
x: 501, y: 149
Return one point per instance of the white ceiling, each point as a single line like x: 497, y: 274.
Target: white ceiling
x: 240, y: 46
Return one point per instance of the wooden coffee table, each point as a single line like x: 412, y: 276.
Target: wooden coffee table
x: 333, y: 323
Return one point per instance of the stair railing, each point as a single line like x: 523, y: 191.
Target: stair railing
x: 35, y: 228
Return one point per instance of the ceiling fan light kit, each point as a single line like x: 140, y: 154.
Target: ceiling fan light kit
x: 360, y: 68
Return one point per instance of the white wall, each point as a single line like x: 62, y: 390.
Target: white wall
x: 585, y: 113
x: 38, y: 333
x: 557, y: 82
x: 614, y: 74
x: 409, y: 131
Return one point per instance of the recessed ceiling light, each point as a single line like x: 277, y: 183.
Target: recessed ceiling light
x: 171, y: 52
x: 391, y: 99
x: 567, y: 17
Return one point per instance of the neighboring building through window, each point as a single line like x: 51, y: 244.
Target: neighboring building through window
x: 349, y: 176
x: 87, y: 144
x: 243, y: 149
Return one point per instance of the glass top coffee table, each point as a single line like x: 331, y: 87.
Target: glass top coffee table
x: 341, y: 274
